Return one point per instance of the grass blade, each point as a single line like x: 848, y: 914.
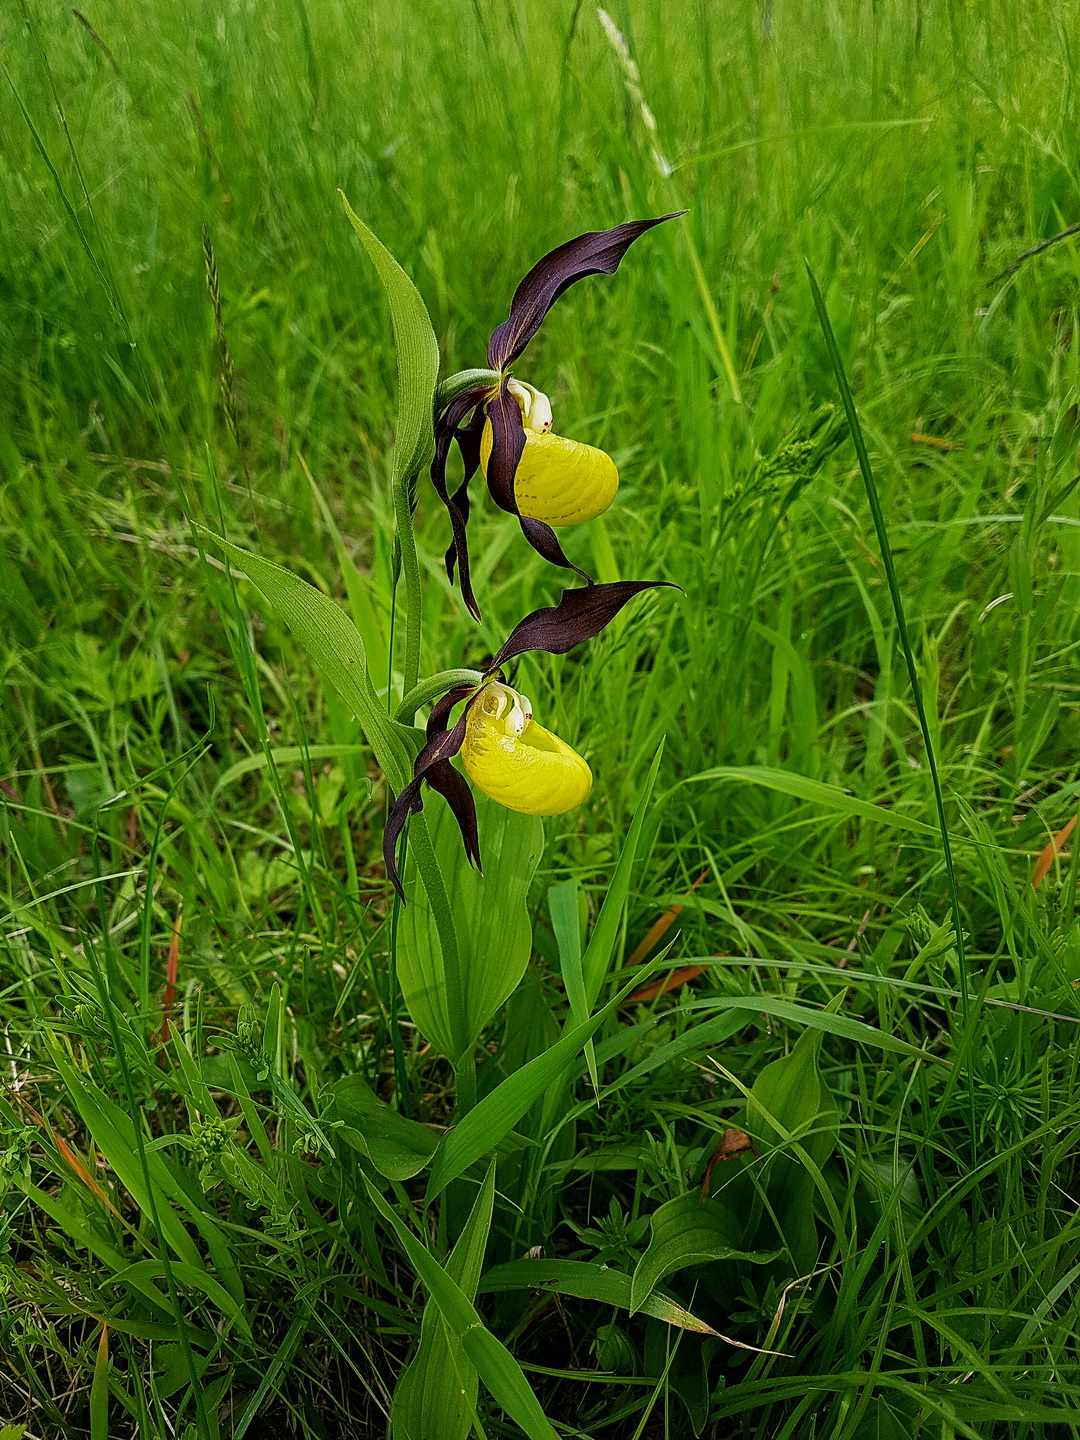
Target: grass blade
x: 866, y: 469
x: 495, y: 1365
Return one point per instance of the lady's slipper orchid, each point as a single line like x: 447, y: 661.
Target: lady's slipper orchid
x: 517, y: 762
x: 504, y: 425
x: 558, y: 481
x: 505, y: 752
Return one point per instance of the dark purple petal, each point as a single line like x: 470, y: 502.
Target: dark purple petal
x: 543, y: 540
x: 409, y: 802
x: 507, y: 445
x: 595, y: 253
x: 440, y: 713
x: 579, y: 615
x: 445, y: 432
x: 455, y: 791
x: 441, y: 744
x: 468, y: 440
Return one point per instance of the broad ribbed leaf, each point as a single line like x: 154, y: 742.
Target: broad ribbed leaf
x: 491, y: 920
x: 587, y: 1280
x: 399, y: 1148
x: 417, y: 354
x: 435, y: 1398
x: 496, y: 1367
x: 686, y: 1232
x: 793, y: 1093
x: 331, y: 639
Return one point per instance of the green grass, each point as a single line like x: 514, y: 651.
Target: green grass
x: 925, y: 1203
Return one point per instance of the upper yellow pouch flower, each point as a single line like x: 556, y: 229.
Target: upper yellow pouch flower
x: 517, y: 762
x: 558, y: 480
x: 545, y: 480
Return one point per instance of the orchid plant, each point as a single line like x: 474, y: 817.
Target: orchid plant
x: 462, y: 943
x: 506, y: 754
x: 502, y: 426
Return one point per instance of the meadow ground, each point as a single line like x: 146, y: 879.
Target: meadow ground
x: 191, y: 1238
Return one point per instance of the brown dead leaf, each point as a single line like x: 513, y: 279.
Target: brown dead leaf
x: 936, y: 441
x: 734, y: 1142
x: 662, y: 926
x: 1050, y: 853
x: 171, y: 963
x: 69, y: 1155
x: 661, y: 986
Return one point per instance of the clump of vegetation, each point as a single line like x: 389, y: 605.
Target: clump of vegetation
x: 740, y: 1115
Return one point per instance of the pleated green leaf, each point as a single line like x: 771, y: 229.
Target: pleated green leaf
x: 417, y: 353
x: 587, y: 1280
x: 435, y: 1398
x: 687, y: 1232
x: 332, y: 640
x: 491, y: 920
x: 792, y: 1092
x: 399, y: 1148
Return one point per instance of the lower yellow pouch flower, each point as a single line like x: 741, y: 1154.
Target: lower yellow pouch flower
x: 517, y: 762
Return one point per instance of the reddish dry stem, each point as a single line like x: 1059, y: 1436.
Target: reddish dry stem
x: 171, y: 961
x: 1050, y: 853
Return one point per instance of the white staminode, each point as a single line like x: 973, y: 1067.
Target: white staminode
x: 514, y: 711
x: 535, y: 405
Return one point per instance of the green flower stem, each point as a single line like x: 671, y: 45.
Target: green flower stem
x: 464, y: 380
x: 431, y: 689
x: 465, y: 1076
x: 410, y: 567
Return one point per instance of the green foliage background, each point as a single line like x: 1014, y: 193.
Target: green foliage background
x: 910, y: 152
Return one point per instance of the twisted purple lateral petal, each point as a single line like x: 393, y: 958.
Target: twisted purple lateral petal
x: 454, y: 789
x: 507, y: 447
x: 445, y: 432
x: 543, y: 540
x: 441, y: 745
x: 409, y: 802
x: 440, y: 713
x: 468, y: 439
x: 579, y: 615
x: 596, y: 253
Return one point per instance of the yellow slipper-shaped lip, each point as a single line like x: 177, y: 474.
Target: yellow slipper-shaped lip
x: 517, y: 762
x: 558, y: 480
